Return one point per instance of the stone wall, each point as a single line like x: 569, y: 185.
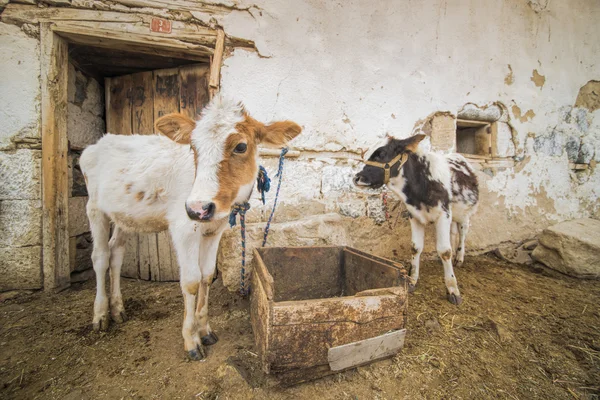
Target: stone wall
x: 85, y: 125
x: 20, y: 158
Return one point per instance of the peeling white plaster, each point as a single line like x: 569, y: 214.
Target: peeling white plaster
x: 350, y: 72
x: 19, y: 86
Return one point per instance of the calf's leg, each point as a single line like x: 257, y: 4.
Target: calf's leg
x: 208, y: 262
x: 187, y: 247
x: 444, y: 249
x: 100, y: 227
x: 117, y: 252
x: 418, y: 238
x: 463, y: 228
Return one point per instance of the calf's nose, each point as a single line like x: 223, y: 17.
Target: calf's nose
x: 200, y: 211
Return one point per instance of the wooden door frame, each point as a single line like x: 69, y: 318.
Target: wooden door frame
x: 54, y: 60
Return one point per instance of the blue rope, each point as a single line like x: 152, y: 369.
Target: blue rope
x: 263, y: 184
x: 280, y: 176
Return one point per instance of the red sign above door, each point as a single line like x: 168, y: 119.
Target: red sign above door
x: 160, y: 25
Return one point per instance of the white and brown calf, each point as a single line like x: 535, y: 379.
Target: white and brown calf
x: 437, y: 189
x: 185, y: 181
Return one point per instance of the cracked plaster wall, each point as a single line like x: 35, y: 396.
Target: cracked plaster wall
x: 352, y: 72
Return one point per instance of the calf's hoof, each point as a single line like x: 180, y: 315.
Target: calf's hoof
x: 412, y: 287
x: 209, y: 339
x: 196, y: 354
x: 101, y: 324
x: 454, y: 299
x: 120, y: 317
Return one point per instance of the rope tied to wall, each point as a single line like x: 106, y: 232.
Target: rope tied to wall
x: 263, y: 185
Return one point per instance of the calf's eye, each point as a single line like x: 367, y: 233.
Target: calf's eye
x: 240, y: 148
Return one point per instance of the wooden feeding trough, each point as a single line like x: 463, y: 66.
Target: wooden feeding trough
x: 320, y: 310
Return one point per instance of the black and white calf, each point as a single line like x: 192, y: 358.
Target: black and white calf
x: 438, y: 189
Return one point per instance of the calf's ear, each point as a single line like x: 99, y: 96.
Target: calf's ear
x: 278, y: 133
x: 413, y: 142
x: 176, y: 127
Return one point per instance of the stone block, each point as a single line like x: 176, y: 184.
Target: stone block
x: 489, y: 114
x: 443, y: 133
x: 80, y: 252
x: 20, y: 268
x: 586, y: 153
x: 20, y: 174
x: 572, y: 147
x: 77, y: 187
x: 571, y: 247
x: 78, y: 220
x: 20, y: 223
x: 20, y: 82
x: 551, y: 144
x: 83, y: 127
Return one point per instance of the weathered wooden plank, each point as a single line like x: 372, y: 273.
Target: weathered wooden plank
x: 337, y: 309
x: 262, y: 273
x: 194, y: 90
x: 142, y: 103
x: 126, y: 23
x: 148, y: 254
x: 364, y: 351
x: 55, y: 171
x: 303, y: 331
x: 215, y: 64
x: 363, y: 273
x: 142, y: 122
x: 260, y: 318
x: 465, y: 123
x: 131, y: 261
x: 118, y: 105
x: 118, y: 121
x: 167, y: 259
x: 304, y: 346
x: 137, y: 43
x: 167, y: 88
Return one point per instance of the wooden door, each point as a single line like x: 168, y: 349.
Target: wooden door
x: 133, y: 103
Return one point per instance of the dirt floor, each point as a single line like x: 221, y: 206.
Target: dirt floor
x: 521, y: 333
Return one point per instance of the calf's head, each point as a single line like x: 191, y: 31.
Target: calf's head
x: 390, y: 156
x: 224, y: 142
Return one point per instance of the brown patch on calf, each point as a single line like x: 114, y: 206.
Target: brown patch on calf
x: 139, y: 196
x: 236, y: 170
x: 191, y: 288
x: 446, y: 255
x: 128, y: 188
x: 176, y: 127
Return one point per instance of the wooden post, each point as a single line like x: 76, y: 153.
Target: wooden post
x: 55, y: 173
x: 215, y: 64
